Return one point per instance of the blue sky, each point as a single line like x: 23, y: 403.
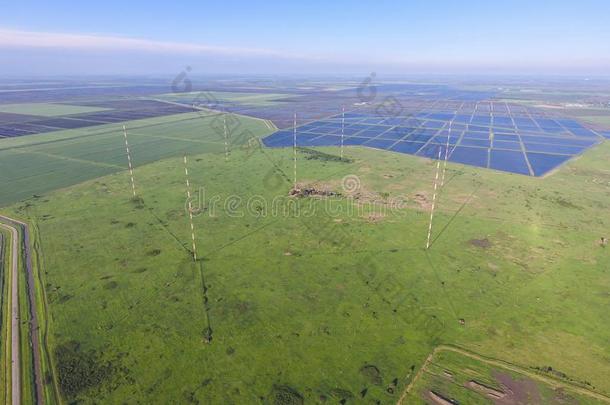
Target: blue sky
x: 513, y: 37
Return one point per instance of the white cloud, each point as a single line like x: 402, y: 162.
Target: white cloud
x: 48, y: 40
x: 442, y: 58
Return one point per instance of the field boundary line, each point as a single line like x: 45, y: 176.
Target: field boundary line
x: 180, y: 104
x: 71, y: 159
x: 172, y: 138
x: 555, y: 383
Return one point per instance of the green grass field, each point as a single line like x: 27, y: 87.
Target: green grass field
x: 599, y: 118
x: 251, y: 99
x: 307, y: 307
x: 35, y: 164
x: 48, y: 109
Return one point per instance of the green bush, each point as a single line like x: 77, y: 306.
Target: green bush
x: 79, y: 370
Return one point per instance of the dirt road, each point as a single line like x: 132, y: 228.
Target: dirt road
x: 13, y: 225
x: 15, y: 359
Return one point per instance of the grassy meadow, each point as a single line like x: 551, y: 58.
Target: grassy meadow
x: 48, y: 109
x: 326, y: 299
